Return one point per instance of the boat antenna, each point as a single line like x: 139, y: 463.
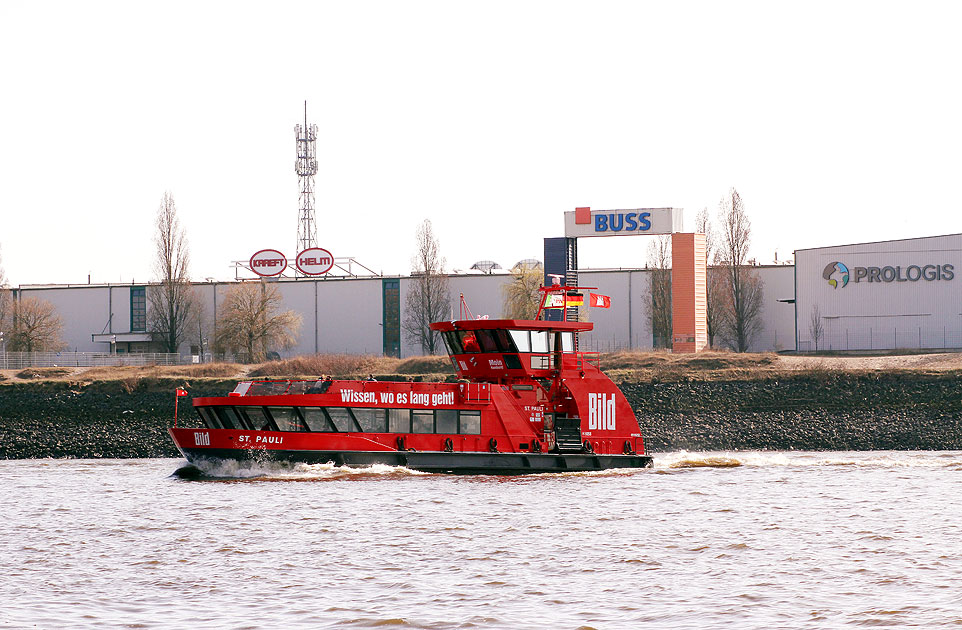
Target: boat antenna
x: 465, y: 312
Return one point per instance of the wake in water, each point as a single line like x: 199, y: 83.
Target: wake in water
x: 861, y: 459
x: 276, y: 471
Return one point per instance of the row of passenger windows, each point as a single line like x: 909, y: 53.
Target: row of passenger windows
x: 343, y: 419
x: 511, y: 341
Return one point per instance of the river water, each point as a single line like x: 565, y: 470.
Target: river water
x: 703, y: 540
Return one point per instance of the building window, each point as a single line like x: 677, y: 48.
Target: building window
x: 138, y: 309
x: 391, y: 317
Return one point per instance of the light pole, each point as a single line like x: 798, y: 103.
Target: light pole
x: 203, y: 351
x: 4, y: 342
x: 113, y: 344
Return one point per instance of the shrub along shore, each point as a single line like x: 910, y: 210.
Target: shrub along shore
x: 706, y: 407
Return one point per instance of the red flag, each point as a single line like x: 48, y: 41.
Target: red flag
x: 600, y: 301
x: 181, y: 392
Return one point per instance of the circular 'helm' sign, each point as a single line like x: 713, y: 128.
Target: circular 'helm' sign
x: 314, y: 261
x: 268, y: 263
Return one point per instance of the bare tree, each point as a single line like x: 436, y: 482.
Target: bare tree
x: 250, y: 324
x: 35, y: 326
x: 659, y: 306
x: 427, y: 298
x: 815, y: 325
x: 6, y: 300
x: 741, y: 288
x: 201, y: 325
x: 521, y: 296
x: 171, y: 301
x: 703, y: 225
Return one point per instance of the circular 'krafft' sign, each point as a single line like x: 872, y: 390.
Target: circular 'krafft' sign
x: 268, y: 263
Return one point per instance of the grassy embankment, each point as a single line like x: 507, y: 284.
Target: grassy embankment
x: 651, y: 367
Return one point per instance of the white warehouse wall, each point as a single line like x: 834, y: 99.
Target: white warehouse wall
x: 340, y: 316
x: 778, y: 315
x: 86, y: 310
x: 898, y: 294
x: 345, y: 315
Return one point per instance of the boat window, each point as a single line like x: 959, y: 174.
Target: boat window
x: 422, y: 421
x: 209, y: 418
x: 520, y: 338
x: 257, y: 418
x: 341, y: 418
x: 540, y: 362
x: 285, y: 419
x: 469, y: 341
x: 512, y: 362
x: 316, y: 419
x: 235, y: 419
x: 225, y: 420
x: 371, y: 420
x: 241, y: 388
x: 299, y: 387
x: 399, y: 420
x: 568, y: 342
x: 447, y: 420
x: 267, y: 388
x: 539, y: 341
x: 487, y: 342
x: 452, y: 342
x: 216, y: 416
x: 470, y: 422
x: 504, y: 340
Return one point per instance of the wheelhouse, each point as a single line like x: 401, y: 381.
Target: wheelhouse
x: 499, y: 350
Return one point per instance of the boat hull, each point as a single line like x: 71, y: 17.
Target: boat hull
x: 429, y: 461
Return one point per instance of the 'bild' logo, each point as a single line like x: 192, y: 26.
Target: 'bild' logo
x: 601, y: 412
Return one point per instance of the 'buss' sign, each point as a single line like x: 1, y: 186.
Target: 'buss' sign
x: 268, y: 263
x: 588, y: 222
x: 314, y: 261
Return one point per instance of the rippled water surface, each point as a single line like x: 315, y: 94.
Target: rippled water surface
x: 746, y: 540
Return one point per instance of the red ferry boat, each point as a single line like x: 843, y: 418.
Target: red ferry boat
x: 527, y: 401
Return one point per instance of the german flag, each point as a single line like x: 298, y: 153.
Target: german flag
x: 574, y: 299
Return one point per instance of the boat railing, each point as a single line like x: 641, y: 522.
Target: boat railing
x: 549, y: 360
x: 589, y: 358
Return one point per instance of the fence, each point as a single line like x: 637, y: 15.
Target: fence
x: 20, y: 360
x: 884, y: 338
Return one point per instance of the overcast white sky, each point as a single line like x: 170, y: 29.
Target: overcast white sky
x: 837, y: 122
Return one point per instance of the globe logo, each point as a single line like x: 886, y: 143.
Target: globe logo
x: 835, y: 271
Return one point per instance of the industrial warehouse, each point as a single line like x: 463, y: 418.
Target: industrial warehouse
x: 900, y: 294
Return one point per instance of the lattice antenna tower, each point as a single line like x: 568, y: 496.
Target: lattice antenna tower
x: 306, y: 169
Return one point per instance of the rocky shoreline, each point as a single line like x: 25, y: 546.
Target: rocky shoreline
x: 823, y: 411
